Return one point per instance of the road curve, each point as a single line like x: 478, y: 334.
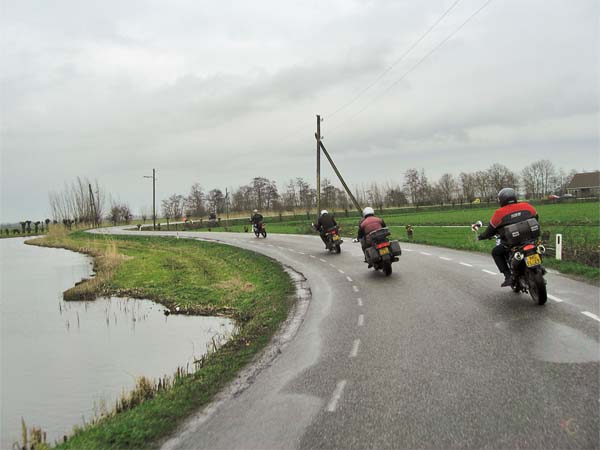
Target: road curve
x: 435, y: 356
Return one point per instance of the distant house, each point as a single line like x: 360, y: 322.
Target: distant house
x: 585, y: 184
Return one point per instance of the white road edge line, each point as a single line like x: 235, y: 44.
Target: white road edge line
x: 591, y: 315
x: 425, y: 253
x: 359, y: 301
x: 348, y: 278
x: 354, y: 350
x: 556, y: 299
x: 355, y: 288
x: 361, y: 320
x: 335, y: 397
x: 489, y: 271
x: 445, y: 259
x: 465, y: 264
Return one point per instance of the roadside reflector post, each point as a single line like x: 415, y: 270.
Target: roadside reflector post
x: 559, y: 247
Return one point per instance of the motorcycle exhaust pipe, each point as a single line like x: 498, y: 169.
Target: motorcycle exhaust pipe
x: 541, y: 249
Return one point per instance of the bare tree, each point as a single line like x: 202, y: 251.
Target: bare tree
x: 173, y: 206
x: 446, y: 188
x: 195, y: 202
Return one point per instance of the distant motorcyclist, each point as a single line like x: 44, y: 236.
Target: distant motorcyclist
x: 368, y: 224
x: 325, y: 224
x: 256, y: 218
x: 511, y: 211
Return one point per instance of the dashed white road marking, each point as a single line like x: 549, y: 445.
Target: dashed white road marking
x: 312, y: 256
x: 354, y: 350
x: 332, y: 266
x: 408, y: 250
x: 489, y: 271
x: 556, y: 299
x: 335, y: 397
x: 361, y: 320
x: 302, y: 253
x: 425, y: 253
x: 270, y: 245
x: 280, y: 248
x: 591, y: 315
x: 322, y: 260
x: 359, y: 301
x: 445, y: 259
x: 355, y: 288
x: 465, y: 264
x: 348, y: 278
x: 341, y: 271
x: 292, y: 250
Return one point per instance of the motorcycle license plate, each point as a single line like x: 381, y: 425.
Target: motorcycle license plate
x: 384, y: 251
x: 336, y: 237
x: 533, y: 260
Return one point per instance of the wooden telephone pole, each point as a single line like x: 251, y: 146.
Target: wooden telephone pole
x: 320, y: 147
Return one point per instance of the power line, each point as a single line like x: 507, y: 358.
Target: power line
x: 381, y: 75
x: 414, y: 66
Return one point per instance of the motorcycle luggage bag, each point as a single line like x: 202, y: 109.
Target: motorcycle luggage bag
x: 372, y: 254
x: 379, y: 235
x: 520, y: 232
x: 395, y: 248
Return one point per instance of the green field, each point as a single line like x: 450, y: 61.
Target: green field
x: 198, y: 278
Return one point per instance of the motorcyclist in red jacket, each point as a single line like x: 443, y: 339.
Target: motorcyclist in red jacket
x: 510, y: 211
x: 367, y: 225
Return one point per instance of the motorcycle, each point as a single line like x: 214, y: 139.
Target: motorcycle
x: 333, y: 240
x: 258, y: 229
x: 525, y: 258
x: 382, y: 252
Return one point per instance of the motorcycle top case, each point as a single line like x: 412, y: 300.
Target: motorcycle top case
x: 379, y: 235
x: 521, y: 232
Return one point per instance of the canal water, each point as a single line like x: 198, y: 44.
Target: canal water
x: 61, y: 361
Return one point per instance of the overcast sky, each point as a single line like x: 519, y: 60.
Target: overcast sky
x: 218, y: 92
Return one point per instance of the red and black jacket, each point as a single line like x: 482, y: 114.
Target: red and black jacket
x: 507, y: 215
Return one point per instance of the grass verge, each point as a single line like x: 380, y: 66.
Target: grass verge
x: 196, y: 278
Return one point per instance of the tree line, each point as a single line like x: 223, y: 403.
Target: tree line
x: 86, y: 202
x: 535, y: 181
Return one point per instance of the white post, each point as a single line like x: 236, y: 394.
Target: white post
x: 559, y: 246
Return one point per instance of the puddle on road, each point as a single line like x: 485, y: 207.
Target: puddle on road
x: 551, y: 341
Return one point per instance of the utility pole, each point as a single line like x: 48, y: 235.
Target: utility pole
x: 318, y: 136
x: 339, y: 175
x: 153, y: 196
x: 93, y: 204
x: 227, y: 208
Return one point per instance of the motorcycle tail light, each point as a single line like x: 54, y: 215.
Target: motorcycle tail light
x: 333, y: 232
x: 528, y: 247
x: 541, y: 249
x: 383, y: 244
x: 518, y: 256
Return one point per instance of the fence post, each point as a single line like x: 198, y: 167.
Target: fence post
x: 559, y: 247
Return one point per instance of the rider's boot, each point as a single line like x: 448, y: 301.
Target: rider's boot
x: 508, y: 279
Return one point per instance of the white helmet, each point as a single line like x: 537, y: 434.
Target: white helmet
x: 368, y: 211
x: 255, y: 211
x: 324, y: 212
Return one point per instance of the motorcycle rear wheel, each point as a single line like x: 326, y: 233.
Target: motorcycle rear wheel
x: 338, y: 248
x: 387, y: 268
x: 264, y: 233
x: 537, y: 287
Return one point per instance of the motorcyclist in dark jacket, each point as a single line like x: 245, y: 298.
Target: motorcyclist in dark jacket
x: 325, y: 224
x: 511, y: 211
x: 368, y: 224
x: 256, y: 218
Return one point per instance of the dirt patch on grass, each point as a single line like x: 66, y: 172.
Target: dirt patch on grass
x: 236, y: 285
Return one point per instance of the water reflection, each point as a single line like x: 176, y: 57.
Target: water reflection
x: 59, y: 359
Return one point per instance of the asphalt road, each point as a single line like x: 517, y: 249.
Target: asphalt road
x: 436, y: 356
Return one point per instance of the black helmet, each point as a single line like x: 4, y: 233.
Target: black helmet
x: 506, y: 196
